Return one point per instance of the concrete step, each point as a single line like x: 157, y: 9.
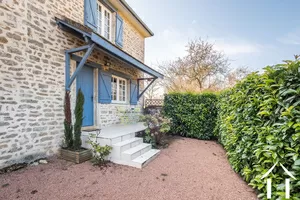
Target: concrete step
x: 134, y: 152
x: 119, y: 147
x: 113, y: 140
x: 127, y: 144
x: 145, y: 158
x: 127, y: 149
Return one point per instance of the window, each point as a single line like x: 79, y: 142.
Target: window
x: 104, y: 21
x: 118, y: 89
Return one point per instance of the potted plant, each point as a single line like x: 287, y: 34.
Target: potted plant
x: 72, y: 150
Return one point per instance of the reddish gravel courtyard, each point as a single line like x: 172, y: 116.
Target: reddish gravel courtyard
x: 189, y: 169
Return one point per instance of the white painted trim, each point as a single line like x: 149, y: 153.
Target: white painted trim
x: 118, y: 91
x: 96, y: 96
x: 103, y: 9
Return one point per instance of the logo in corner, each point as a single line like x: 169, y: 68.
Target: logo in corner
x: 269, y: 181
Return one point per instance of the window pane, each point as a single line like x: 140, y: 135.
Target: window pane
x: 113, y: 88
x: 122, y: 90
x: 99, y: 19
x: 118, y: 89
x: 107, y: 25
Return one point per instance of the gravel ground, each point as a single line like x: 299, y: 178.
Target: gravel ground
x: 189, y: 169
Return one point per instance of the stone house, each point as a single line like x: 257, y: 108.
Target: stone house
x: 49, y: 47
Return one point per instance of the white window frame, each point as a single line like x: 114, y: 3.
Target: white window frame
x: 102, y: 27
x: 118, y: 89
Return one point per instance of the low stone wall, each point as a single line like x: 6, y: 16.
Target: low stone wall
x: 110, y: 114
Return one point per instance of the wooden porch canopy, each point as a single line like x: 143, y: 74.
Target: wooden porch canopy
x: 95, y: 41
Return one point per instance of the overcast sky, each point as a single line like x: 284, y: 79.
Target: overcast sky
x: 252, y: 33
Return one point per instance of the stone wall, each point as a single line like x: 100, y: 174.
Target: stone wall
x: 118, y: 114
x: 32, y: 75
x: 133, y: 43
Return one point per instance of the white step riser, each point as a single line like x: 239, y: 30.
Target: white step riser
x: 84, y: 140
x: 136, y: 164
x: 126, y: 137
x: 145, y: 158
x: 111, y: 141
x: 131, y: 145
x: 134, y: 144
x: 149, y: 160
x: 117, y: 150
x: 129, y: 157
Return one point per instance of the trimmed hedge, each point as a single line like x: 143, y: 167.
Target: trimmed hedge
x: 193, y: 115
x: 257, y: 122
x: 259, y: 125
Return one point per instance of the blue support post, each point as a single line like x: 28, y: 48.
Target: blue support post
x: 138, y: 89
x: 81, y: 64
x: 67, y: 71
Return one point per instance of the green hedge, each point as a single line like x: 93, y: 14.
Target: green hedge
x: 259, y: 125
x: 193, y: 115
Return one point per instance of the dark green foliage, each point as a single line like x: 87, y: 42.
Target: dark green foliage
x: 157, y: 128
x: 259, y: 125
x: 193, y: 115
x: 68, y: 121
x: 78, y: 120
x: 100, y: 153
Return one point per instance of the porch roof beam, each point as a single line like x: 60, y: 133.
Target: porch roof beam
x: 115, y: 51
x: 88, y: 63
x: 79, y: 67
x: 89, y: 36
x: 74, y: 50
x: 145, y: 78
x: 138, y: 87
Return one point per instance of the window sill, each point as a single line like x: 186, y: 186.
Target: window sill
x: 89, y: 128
x: 119, y: 103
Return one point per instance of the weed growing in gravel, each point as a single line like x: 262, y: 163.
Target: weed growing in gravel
x: 100, y: 153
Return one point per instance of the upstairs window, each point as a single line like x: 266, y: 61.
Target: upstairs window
x: 103, y: 21
x: 118, y: 89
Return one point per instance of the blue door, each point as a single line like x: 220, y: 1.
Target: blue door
x: 85, y: 81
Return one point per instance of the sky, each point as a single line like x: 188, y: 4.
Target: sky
x: 252, y: 34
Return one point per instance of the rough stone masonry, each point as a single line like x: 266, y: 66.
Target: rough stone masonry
x: 32, y: 75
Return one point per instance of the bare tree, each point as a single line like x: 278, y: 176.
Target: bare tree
x: 202, y: 68
x: 236, y: 75
x: 154, y: 91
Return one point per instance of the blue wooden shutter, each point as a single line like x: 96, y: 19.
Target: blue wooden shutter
x: 119, y: 30
x: 133, y: 92
x: 90, y: 14
x: 104, y: 87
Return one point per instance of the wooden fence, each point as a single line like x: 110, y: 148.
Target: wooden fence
x: 154, y: 103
